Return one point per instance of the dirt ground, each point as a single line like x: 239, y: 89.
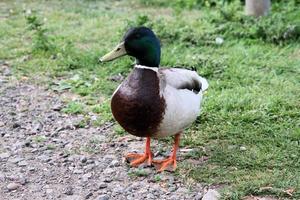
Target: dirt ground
x: 44, y: 155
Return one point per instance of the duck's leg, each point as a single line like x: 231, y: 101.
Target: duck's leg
x: 164, y: 164
x: 138, y: 159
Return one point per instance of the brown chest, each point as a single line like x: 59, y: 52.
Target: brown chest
x: 137, y: 104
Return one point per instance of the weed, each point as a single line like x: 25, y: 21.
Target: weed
x: 39, y: 139
x: 51, y: 147
x: 41, y: 41
x: 157, y: 178
x: 74, y: 108
x: 137, y: 173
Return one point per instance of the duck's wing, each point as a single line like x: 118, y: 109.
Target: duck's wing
x: 184, y: 79
x: 182, y: 91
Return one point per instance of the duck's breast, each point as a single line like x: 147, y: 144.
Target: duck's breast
x: 137, y: 104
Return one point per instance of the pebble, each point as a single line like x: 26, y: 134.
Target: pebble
x: 199, y: 196
x: 182, y: 190
x: 2, y: 177
x: 44, y: 158
x: 22, y: 163
x: 150, y: 196
x: 114, y: 163
x: 219, y: 40
x: 32, y: 169
x: 4, y: 155
x: 103, y: 197
x: 88, y: 195
x: 109, y: 171
x: 102, y: 185
x: 86, y: 177
x: 37, y: 127
x: 211, y: 195
x: 49, y: 191
x: 83, y: 159
x: 22, y: 180
x: 57, y: 107
x: 242, y: 148
x: 15, y: 160
x: 16, y: 125
x: 78, y: 171
x: 13, y: 186
x: 68, y: 190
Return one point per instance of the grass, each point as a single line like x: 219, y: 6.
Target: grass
x: 249, y: 127
x: 138, y: 173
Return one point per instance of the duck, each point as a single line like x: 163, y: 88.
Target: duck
x: 154, y: 102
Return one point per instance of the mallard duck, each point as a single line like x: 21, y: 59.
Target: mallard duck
x: 154, y: 102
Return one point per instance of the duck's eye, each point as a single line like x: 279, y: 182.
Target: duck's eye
x: 137, y: 36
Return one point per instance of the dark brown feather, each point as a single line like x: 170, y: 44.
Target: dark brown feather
x: 137, y: 105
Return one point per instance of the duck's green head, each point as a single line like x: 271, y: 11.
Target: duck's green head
x: 139, y: 42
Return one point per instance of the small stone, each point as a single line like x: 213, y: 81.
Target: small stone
x: 16, y: 125
x: 199, y: 196
x: 118, y: 189
x: 68, y: 190
x: 22, y: 180
x: 37, y: 126
x: 22, y: 163
x: 172, y: 189
x: 88, y: 195
x: 219, y: 40
x: 4, y: 155
x: 27, y: 143
x: 102, y: 185
x: 7, y: 72
x: 242, y: 148
x: 108, y: 171
x: 114, y: 163
x: 108, y: 180
x: 44, y: 158
x: 150, y: 196
x: 57, y: 107
x: 78, y: 171
x: 211, y: 195
x: 2, y: 124
x: 86, y: 176
x: 2, y: 177
x: 32, y: 169
x: 103, y: 197
x: 15, y: 160
x: 182, y: 190
x: 49, y: 191
x: 13, y: 186
x: 83, y: 159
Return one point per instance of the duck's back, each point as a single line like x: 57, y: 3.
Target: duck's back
x: 137, y: 104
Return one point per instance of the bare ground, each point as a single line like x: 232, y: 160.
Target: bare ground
x: 45, y: 155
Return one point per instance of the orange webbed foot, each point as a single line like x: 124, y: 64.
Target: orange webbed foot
x: 171, y: 161
x: 138, y: 159
x: 166, y: 164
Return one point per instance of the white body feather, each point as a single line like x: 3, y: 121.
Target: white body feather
x: 182, y: 105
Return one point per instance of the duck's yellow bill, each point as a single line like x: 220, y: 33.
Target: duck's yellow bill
x: 118, y: 51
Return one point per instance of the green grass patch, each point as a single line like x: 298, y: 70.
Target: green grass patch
x: 74, y: 108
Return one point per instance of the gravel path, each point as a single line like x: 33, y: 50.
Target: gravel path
x: 44, y: 155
